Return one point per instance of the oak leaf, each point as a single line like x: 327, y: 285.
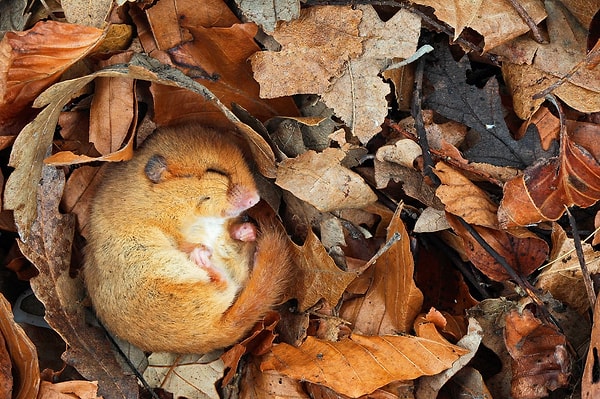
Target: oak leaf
x: 360, y: 364
x: 318, y: 275
x: 314, y: 49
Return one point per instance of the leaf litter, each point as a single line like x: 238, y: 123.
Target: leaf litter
x: 393, y: 262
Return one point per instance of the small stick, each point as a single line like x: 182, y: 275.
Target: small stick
x: 587, y: 280
x: 420, y: 125
x: 528, y: 20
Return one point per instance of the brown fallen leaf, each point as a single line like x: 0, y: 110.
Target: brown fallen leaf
x: 34, y: 59
x: 358, y: 96
x: 258, y: 384
x: 521, y: 249
x: 545, y: 188
x: 112, y: 110
x: 531, y: 67
x: 22, y: 358
x: 213, y: 51
x: 314, y: 50
x: 497, y: 22
x: 463, y: 198
x: 563, y: 277
x: 541, y: 360
x: 49, y: 249
x: 318, y: 276
x: 69, y: 390
x: 392, y: 300
x: 321, y: 180
x: 360, y: 364
x: 590, y: 385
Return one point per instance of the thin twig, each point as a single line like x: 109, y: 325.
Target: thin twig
x: 419, y: 124
x: 537, y: 35
x: 521, y: 282
x: 393, y: 239
x: 587, y: 279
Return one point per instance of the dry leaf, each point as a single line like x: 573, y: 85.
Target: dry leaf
x: 497, y: 22
x: 210, y: 45
x: 531, y: 67
x: 318, y: 276
x: 360, y: 364
x: 541, y: 360
x: 359, y: 95
x: 543, y: 191
x: 463, y: 198
x: 191, y: 376
x: 88, y: 14
x: 49, y: 249
x: 23, y: 357
x: 257, y: 384
x: 392, y: 300
x: 267, y: 13
x: 590, y: 385
x: 69, y: 390
x: 314, y: 49
x: 563, y: 278
x: 521, y: 249
x: 429, y: 386
x: 33, y: 60
x: 320, y: 180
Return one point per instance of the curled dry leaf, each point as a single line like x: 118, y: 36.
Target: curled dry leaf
x: 463, y: 198
x: 23, y: 357
x: 32, y: 60
x: 360, y: 364
x: 543, y: 191
x: 541, y: 360
x: 320, y: 180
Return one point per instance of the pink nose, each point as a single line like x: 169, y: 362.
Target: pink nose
x: 243, y: 198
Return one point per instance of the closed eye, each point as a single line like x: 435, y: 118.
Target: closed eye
x: 217, y: 171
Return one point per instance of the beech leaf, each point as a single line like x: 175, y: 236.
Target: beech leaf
x: 360, y: 364
x: 392, y: 300
x: 543, y: 191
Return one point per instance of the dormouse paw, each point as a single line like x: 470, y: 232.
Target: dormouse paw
x: 245, y: 232
x: 201, y: 255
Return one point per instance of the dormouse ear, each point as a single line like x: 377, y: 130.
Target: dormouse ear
x: 156, y: 168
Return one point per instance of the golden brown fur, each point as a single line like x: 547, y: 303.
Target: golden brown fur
x: 163, y: 269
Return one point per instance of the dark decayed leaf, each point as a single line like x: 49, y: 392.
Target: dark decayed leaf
x: 479, y: 109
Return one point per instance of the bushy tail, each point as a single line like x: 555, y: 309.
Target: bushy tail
x: 269, y: 280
